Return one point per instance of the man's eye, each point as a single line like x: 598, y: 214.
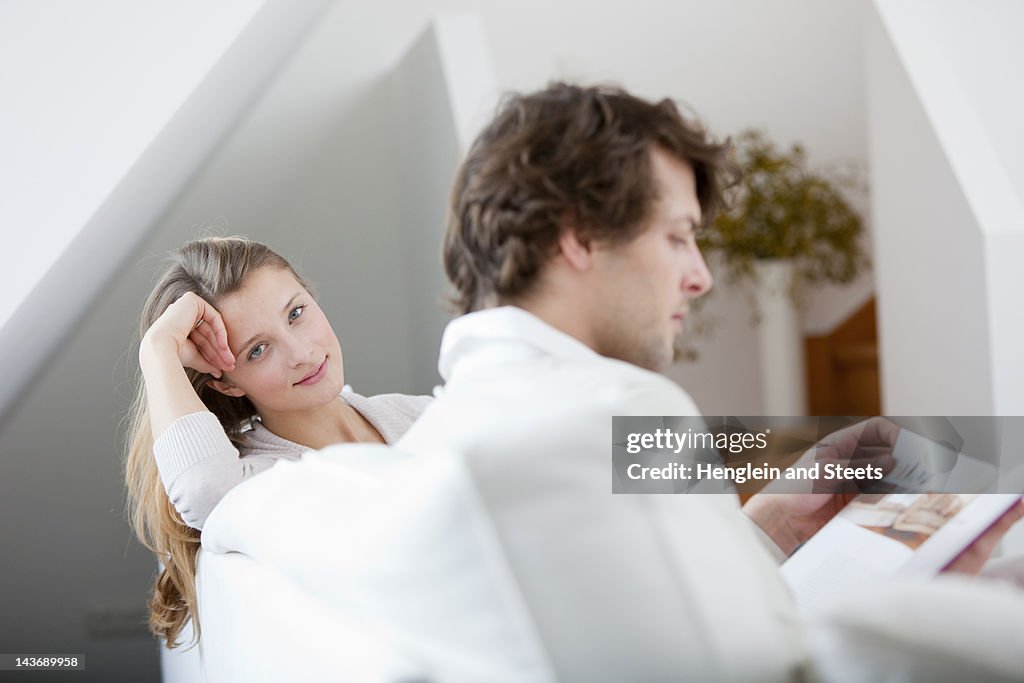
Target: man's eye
x: 256, y: 351
x: 294, y: 314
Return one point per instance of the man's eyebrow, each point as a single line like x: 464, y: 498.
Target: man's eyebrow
x: 690, y: 219
x: 256, y: 336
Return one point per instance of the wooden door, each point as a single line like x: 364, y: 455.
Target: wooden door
x: 842, y: 367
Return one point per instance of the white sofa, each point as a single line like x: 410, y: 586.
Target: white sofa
x: 360, y: 563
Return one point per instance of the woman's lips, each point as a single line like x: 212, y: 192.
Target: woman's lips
x: 315, y: 377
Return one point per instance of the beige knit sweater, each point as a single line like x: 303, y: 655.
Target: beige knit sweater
x: 199, y: 465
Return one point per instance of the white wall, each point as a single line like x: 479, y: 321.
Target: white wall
x: 106, y: 116
x: 945, y: 107
x: 948, y: 213
x: 444, y: 90
x: 929, y: 261
x: 987, y: 72
x: 77, y: 113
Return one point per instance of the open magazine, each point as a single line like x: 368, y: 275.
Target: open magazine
x: 915, y: 528
x: 887, y: 535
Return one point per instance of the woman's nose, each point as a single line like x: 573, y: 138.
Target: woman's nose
x: 300, y: 352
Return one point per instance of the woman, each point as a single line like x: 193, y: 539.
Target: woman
x: 240, y: 368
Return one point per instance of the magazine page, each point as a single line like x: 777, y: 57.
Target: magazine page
x: 879, y: 536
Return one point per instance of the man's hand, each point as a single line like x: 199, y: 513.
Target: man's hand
x: 974, y: 557
x: 792, y: 518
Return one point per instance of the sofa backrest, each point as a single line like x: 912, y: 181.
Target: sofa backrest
x: 368, y: 564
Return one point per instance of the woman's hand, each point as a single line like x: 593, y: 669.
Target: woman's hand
x: 195, y: 331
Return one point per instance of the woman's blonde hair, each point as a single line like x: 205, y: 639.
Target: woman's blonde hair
x: 212, y: 268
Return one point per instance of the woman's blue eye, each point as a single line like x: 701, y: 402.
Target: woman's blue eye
x: 256, y: 351
x: 295, y: 313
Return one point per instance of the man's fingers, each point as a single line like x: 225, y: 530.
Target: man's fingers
x: 878, y: 430
x: 974, y: 557
x: 875, y: 457
x: 875, y: 431
x: 860, y: 459
x: 1003, y: 524
x: 1010, y: 517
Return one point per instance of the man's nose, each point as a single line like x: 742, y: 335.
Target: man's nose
x: 698, y: 280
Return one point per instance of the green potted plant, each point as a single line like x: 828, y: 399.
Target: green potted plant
x: 782, y: 211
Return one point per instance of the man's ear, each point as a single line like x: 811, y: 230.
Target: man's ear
x: 225, y: 388
x: 576, y: 248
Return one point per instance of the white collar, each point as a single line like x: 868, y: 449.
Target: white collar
x: 473, y: 331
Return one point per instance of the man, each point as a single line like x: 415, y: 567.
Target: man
x: 571, y: 247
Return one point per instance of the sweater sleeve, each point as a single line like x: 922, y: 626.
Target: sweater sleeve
x: 198, y: 465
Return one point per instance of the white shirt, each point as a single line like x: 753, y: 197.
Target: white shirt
x: 618, y: 587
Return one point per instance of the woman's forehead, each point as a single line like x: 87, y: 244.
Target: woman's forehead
x: 265, y: 294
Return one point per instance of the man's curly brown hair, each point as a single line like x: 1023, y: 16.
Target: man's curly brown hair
x: 565, y: 153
